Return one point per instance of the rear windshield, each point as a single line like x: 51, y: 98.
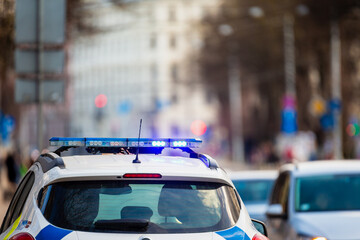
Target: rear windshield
x: 140, y: 206
x: 254, y: 191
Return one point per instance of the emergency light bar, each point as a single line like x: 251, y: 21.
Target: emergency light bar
x: 125, y: 142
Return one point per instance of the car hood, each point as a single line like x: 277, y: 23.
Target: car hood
x: 337, y: 225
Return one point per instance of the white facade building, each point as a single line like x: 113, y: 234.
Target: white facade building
x: 144, y: 61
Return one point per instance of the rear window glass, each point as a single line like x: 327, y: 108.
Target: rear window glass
x: 254, y: 191
x: 140, y: 206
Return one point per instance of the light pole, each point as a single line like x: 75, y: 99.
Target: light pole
x: 336, y: 87
x: 40, y: 117
x: 235, y: 99
x: 289, y: 56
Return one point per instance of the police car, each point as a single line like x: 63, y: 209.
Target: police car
x: 127, y: 189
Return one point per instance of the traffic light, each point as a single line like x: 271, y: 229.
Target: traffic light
x: 198, y: 127
x: 100, y: 101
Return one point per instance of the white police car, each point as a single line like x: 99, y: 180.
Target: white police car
x: 131, y: 192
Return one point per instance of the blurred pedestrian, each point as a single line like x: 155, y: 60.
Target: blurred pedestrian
x: 12, y: 171
x: 272, y: 158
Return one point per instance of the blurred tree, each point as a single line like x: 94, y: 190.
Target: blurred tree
x: 7, y: 46
x: 313, y: 49
x: 77, y: 16
x: 80, y: 12
x: 252, y: 30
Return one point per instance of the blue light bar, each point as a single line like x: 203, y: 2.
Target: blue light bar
x: 125, y: 142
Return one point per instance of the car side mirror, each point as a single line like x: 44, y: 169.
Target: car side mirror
x: 260, y: 227
x: 275, y: 211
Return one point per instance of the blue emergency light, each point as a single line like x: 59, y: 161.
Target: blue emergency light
x: 158, y: 143
x: 125, y: 142
x: 182, y: 143
x: 132, y: 146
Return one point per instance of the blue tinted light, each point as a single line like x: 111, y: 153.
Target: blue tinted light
x: 158, y: 143
x: 180, y: 143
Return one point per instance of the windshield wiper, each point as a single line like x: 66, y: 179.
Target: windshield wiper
x: 137, y: 225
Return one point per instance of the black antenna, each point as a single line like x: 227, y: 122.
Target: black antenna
x: 136, y: 160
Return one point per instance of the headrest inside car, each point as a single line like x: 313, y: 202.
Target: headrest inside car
x: 136, y: 212
x: 172, y: 201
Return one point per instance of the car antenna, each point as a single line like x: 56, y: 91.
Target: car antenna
x: 136, y: 160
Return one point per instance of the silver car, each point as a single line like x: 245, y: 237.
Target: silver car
x: 254, y: 188
x: 316, y: 201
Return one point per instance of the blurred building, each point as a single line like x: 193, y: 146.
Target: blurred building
x: 24, y: 137
x: 143, y: 59
x: 56, y: 123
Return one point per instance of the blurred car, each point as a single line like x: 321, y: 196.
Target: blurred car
x: 316, y: 201
x: 122, y: 194
x: 254, y: 188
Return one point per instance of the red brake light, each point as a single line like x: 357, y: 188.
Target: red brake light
x: 259, y: 236
x: 22, y: 236
x: 142, y: 175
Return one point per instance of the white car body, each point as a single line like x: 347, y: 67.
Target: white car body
x: 285, y: 223
x: 111, y: 167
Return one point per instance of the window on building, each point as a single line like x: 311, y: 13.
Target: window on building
x: 175, y: 79
x: 174, y: 73
x: 153, y: 71
x: 172, y: 41
x: 150, y: 13
x: 153, y: 41
x: 172, y: 14
x: 174, y: 97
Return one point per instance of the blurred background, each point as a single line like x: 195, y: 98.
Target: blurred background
x: 261, y: 82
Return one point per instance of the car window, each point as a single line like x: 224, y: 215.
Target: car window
x: 18, y: 200
x: 254, y: 191
x: 163, y: 206
x: 327, y: 193
x: 280, y: 194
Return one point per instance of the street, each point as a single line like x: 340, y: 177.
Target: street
x: 172, y: 116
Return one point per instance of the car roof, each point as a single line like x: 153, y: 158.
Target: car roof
x: 322, y: 167
x: 253, y: 174
x: 149, y: 162
x: 117, y: 165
